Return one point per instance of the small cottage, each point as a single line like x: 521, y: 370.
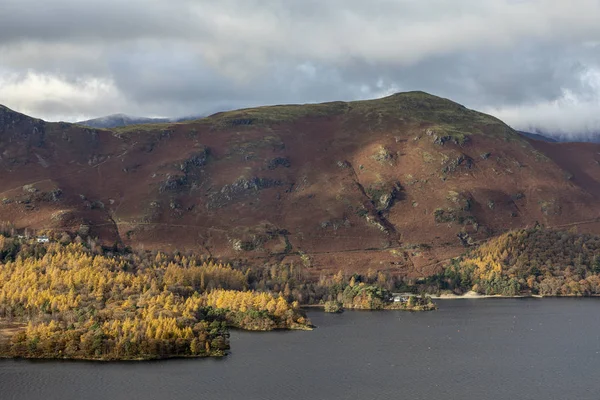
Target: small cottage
x: 43, y: 239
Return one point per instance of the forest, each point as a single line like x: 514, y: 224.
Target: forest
x: 533, y: 261
x: 79, y: 301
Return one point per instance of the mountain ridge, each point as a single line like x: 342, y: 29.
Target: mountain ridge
x: 117, y: 120
x: 121, y: 120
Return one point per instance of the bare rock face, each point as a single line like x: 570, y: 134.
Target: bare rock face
x: 239, y: 190
x: 277, y: 162
x: 196, y: 160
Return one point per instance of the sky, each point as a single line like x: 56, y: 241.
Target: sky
x: 533, y: 63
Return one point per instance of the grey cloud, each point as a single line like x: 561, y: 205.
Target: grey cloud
x: 75, y: 59
x: 88, y: 21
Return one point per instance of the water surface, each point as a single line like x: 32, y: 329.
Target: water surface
x: 485, y: 348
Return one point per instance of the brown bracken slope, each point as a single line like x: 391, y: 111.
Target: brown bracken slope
x: 399, y: 184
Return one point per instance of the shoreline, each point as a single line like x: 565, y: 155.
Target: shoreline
x: 474, y: 295
x: 390, y: 307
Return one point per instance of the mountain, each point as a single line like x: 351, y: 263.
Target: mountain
x: 537, y: 136
x: 576, y: 137
x: 400, y: 183
x: 119, y: 120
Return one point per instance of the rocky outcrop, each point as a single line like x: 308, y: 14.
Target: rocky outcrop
x: 239, y: 190
x: 196, y: 160
x: 278, y: 162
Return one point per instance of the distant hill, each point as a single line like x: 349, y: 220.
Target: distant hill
x: 399, y: 184
x: 553, y: 137
x: 120, y: 120
x: 537, y: 136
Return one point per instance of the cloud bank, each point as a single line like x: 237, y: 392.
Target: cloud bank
x: 533, y: 63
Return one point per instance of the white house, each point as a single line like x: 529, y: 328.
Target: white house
x: 402, y: 297
x: 43, y: 239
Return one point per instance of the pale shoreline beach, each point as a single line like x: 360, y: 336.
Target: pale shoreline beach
x: 474, y: 295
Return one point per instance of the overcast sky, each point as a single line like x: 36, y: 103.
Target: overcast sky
x: 533, y: 63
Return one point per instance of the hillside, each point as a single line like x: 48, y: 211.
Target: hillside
x: 395, y: 184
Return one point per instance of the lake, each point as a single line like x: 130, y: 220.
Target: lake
x: 488, y: 349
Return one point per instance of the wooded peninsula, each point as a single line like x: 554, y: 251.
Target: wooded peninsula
x: 69, y: 298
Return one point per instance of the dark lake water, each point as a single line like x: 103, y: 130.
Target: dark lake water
x: 489, y: 349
